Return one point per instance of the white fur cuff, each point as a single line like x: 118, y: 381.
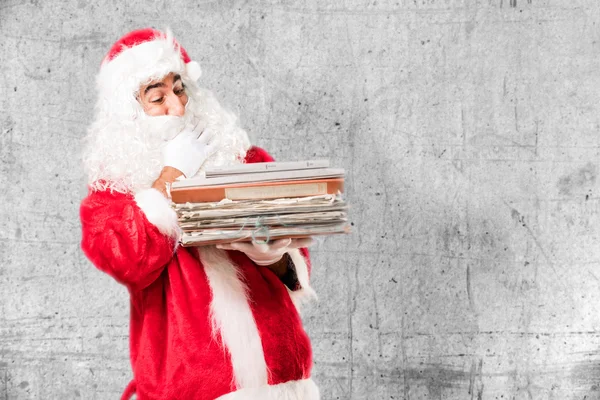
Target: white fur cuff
x: 158, y: 211
x: 305, y: 389
x: 305, y: 292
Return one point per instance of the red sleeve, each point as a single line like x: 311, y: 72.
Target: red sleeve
x: 256, y: 155
x: 119, y: 240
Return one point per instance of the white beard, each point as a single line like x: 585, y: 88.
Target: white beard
x: 125, y: 155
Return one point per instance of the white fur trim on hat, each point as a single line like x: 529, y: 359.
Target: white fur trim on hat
x: 158, y: 211
x: 193, y: 70
x: 305, y: 292
x: 304, y: 389
x: 119, y: 79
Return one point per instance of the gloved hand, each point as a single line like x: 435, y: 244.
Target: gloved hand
x: 189, y: 149
x: 266, y: 253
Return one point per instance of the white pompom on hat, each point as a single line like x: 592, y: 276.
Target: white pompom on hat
x: 136, y: 59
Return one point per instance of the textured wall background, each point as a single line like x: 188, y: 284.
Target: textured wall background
x: 470, y: 135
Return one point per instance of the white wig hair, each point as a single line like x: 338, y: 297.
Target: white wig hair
x: 121, y: 153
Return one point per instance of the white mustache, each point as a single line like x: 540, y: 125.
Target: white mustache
x: 165, y: 127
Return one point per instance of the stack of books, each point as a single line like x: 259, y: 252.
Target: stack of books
x: 261, y: 202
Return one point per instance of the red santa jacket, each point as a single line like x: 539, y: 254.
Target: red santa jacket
x: 205, y: 323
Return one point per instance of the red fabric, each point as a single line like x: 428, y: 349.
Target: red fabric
x: 172, y: 350
x: 256, y: 155
x: 282, y: 366
x: 129, y: 391
x: 137, y: 37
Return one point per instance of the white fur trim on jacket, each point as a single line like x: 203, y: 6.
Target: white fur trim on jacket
x: 305, y: 292
x: 305, y: 389
x: 158, y: 210
x: 232, y: 318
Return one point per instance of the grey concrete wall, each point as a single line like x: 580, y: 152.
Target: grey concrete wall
x: 470, y: 135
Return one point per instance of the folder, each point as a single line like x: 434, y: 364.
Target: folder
x: 257, y: 190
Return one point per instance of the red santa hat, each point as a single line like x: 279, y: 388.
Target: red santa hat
x: 137, y: 58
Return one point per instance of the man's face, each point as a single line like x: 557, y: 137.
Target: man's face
x: 164, y: 97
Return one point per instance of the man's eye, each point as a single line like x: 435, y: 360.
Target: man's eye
x: 157, y: 101
x: 179, y: 92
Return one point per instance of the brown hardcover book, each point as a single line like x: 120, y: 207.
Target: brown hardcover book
x: 257, y: 190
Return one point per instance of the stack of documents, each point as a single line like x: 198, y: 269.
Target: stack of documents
x: 261, y: 202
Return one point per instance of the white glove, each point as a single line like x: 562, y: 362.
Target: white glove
x: 189, y: 149
x: 266, y: 253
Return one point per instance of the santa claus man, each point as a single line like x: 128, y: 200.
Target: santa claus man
x: 206, y: 323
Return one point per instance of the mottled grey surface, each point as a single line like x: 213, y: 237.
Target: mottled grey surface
x: 470, y: 135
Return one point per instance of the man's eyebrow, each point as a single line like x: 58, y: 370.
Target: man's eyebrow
x: 159, y: 84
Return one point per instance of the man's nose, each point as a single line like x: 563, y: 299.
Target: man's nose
x: 175, y: 105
